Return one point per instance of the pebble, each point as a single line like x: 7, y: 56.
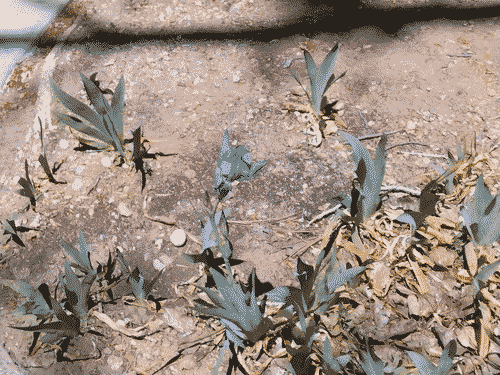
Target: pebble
x: 178, y: 237
x: 123, y: 210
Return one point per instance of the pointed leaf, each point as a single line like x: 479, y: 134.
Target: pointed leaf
x: 137, y: 282
x: 446, y: 360
x: 336, y: 281
x: 312, y: 72
x: 222, y: 352
x: 95, y: 95
x: 81, y: 127
x: 207, y: 230
x: 9, y: 226
x: 80, y: 256
x: 303, y: 88
x: 21, y: 287
x: 78, y: 107
x: 117, y: 105
x: 423, y: 364
x: 483, y: 275
x: 75, y: 291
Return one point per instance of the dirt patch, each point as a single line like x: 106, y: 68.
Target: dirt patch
x: 433, y: 84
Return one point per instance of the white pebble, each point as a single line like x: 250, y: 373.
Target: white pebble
x: 178, y: 237
x: 64, y: 144
x: 106, y: 161
x: 123, y: 210
x: 158, y: 265
x: 77, y: 184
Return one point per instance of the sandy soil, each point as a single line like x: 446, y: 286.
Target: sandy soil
x: 432, y: 83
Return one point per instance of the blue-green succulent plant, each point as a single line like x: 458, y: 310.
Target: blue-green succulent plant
x: 320, y: 79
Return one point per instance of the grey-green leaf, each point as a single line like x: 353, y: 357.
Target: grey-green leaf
x: 77, y: 106
x: 81, y: 127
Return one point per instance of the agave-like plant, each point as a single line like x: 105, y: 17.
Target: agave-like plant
x: 482, y: 215
x: 238, y: 311
x: 36, y: 299
x: 320, y: 79
x: 373, y: 365
x: 233, y: 164
x: 366, y: 196
x: 62, y: 326
x: 141, y: 288
x: 66, y: 326
x: 448, y: 175
x: 427, y: 207
x: 106, y: 122
x: 317, y: 284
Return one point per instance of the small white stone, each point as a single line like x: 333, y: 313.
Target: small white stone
x: 411, y: 125
x: 77, y: 184
x: 106, y: 161
x: 26, y: 76
x: 178, y: 237
x: 236, y: 76
x: 36, y: 222
x: 79, y: 169
x: 158, y: 243
x: 158, y: 265
x: 123, y: 210
x: 64, y: 144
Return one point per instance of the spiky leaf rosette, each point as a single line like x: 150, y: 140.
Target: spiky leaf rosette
x: 317, y: 288
x: 366, y: 196
x: 320, y: 79
x: 238, y: 311
x: 234, y: 164
x: 105, y: 123
x: 482, y: 215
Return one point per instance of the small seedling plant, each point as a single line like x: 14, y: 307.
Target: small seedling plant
x: 104, y: 125
x: 365, y: 198
x: 320, y: 79
x: 58, y: 322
